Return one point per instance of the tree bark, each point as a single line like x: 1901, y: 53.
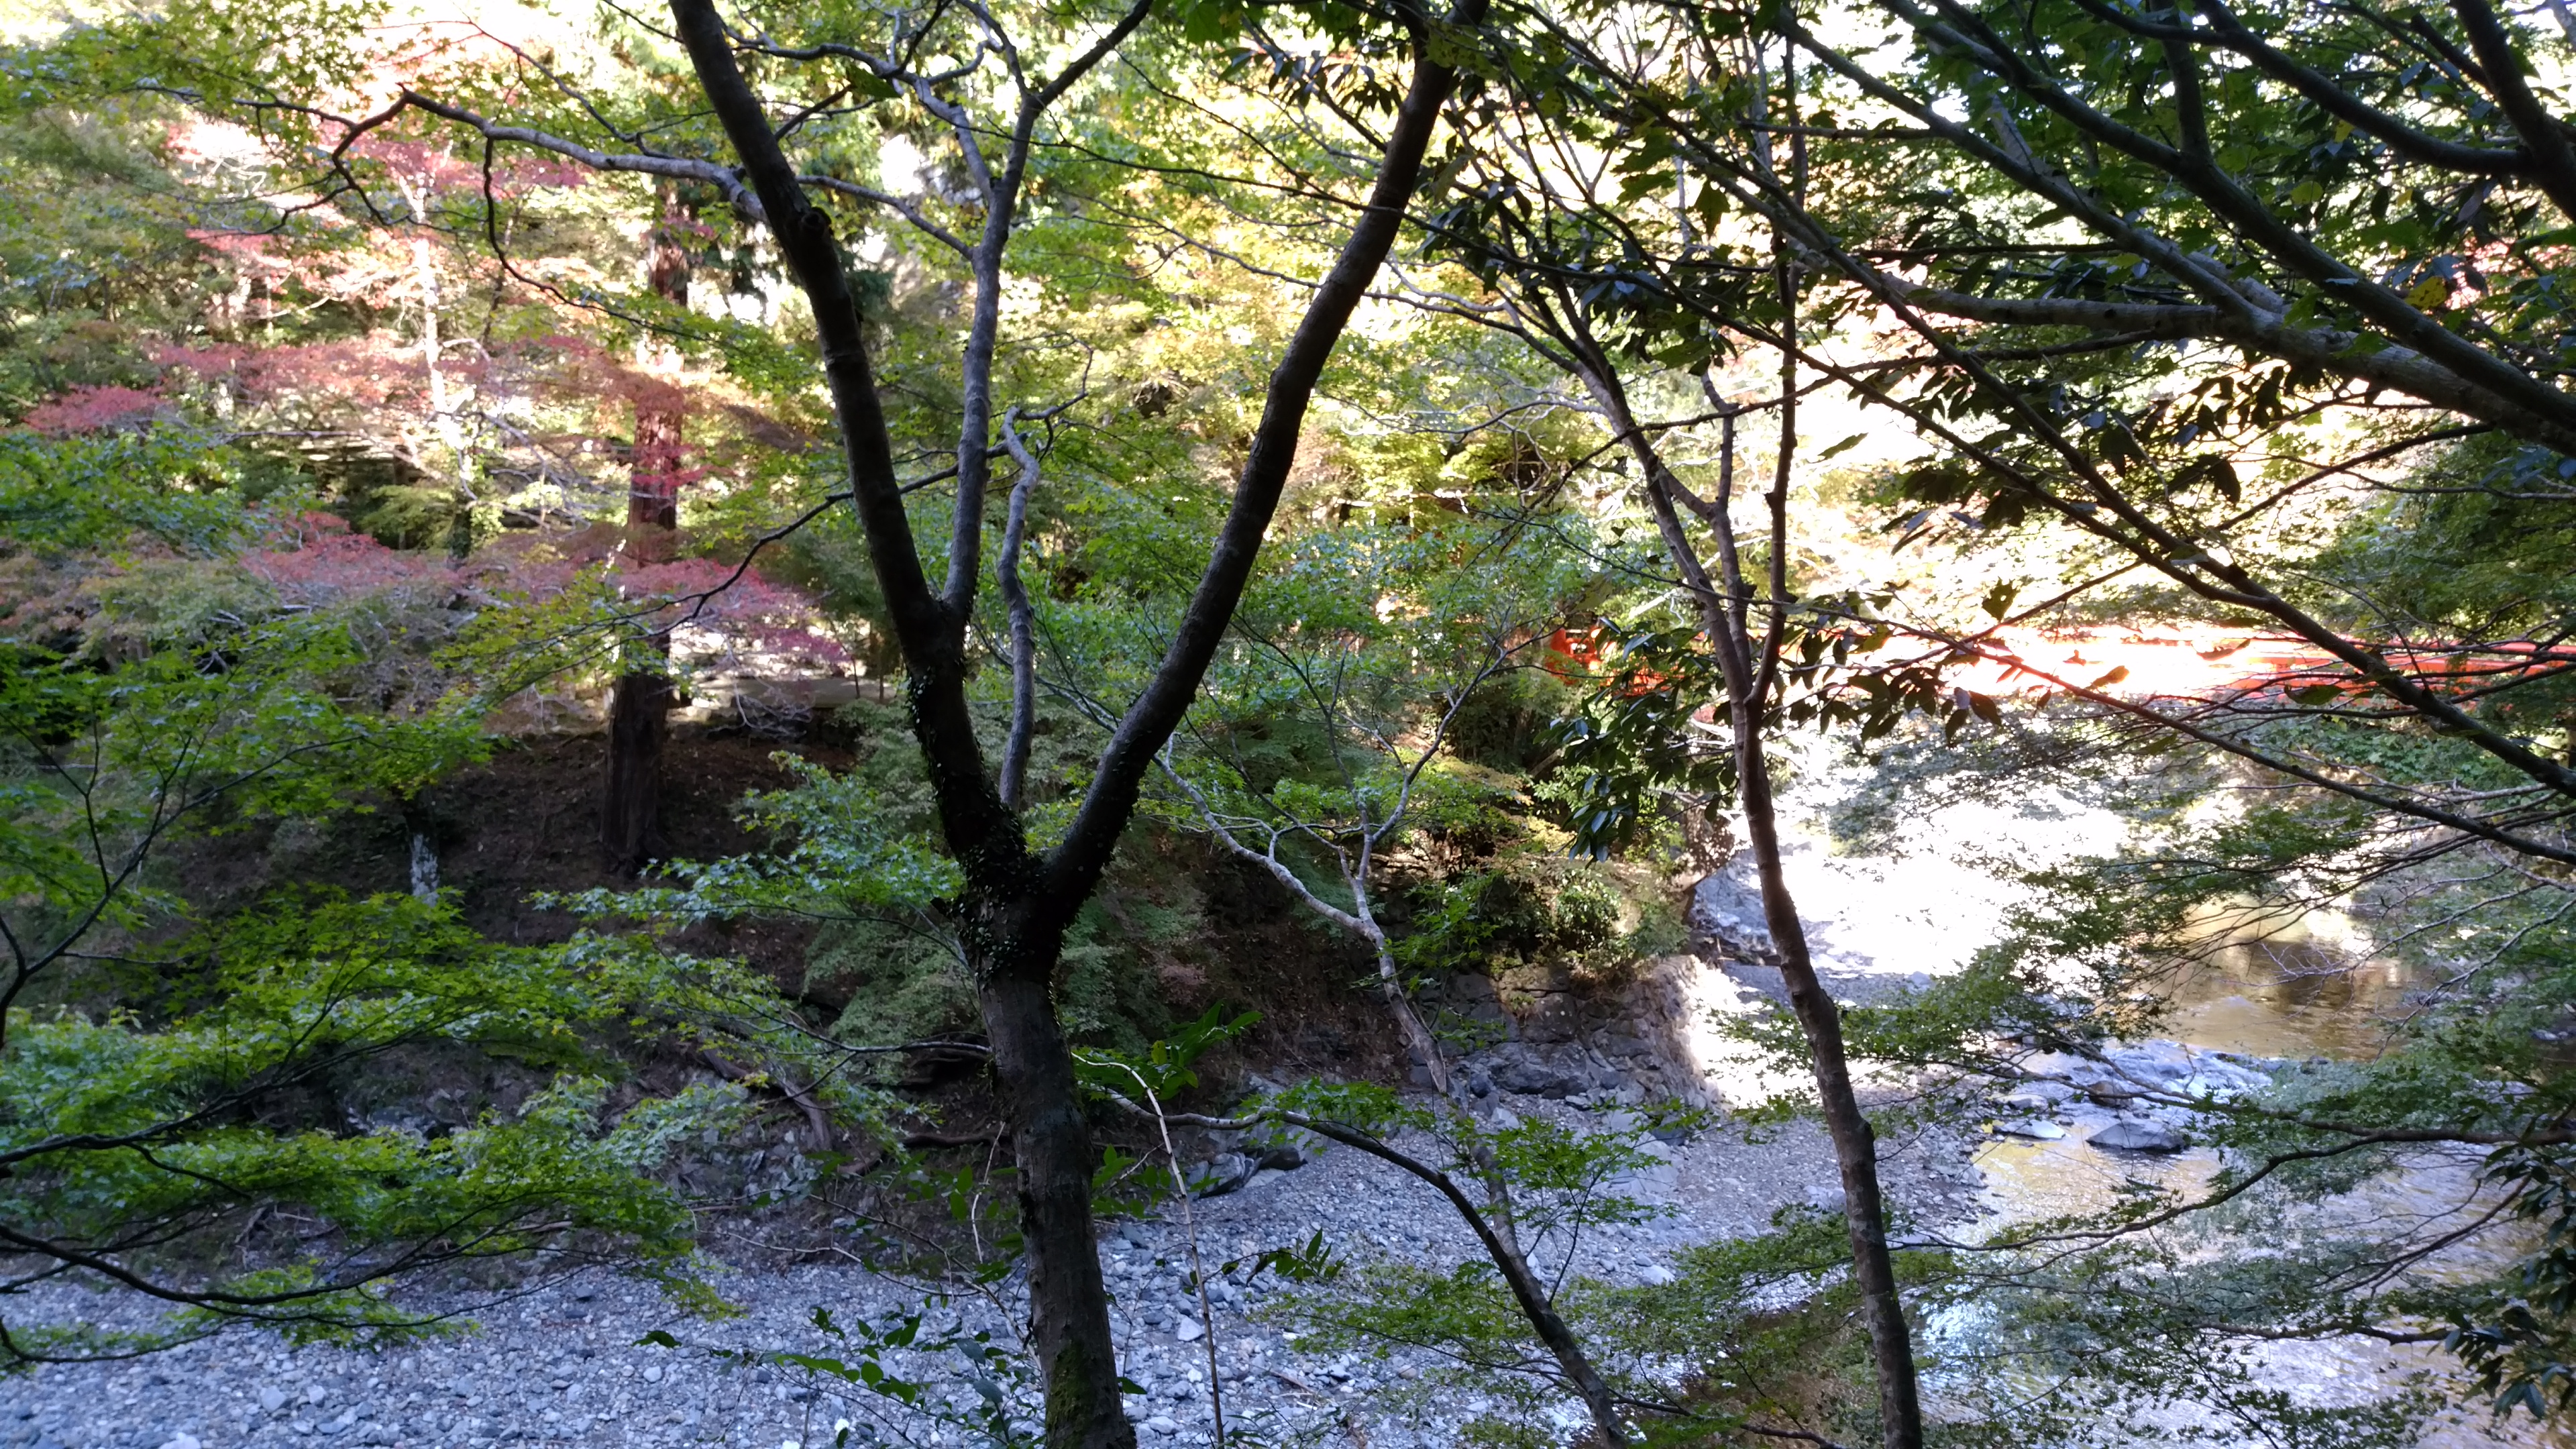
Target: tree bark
x: 1855, y: 1144
x: 1749, y: 668
x: 1017, y: 903
x: 1053, y: 1157
x: 639, y: 707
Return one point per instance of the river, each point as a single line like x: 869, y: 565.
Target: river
x: 1935, y: 888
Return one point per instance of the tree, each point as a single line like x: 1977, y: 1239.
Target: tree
x: 2334, y: 289
x: 1016, y: 904
x: 1016, y: 900
x: 1320, y: 739
x: 2166, y: 296
x: 1554, y: 242
x: 630, y: 812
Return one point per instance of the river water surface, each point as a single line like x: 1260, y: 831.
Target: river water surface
x: 1941, y: 886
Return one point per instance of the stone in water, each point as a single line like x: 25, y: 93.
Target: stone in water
x: 2129, y: 1135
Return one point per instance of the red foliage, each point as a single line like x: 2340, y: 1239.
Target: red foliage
x: 315, y: 559
x: 251, y: 251
x: 321, y: 561
x: 88, y: 409
x: 366, y: 371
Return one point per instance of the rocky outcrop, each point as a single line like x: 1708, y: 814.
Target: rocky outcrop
x: 2125, y: 1097
x: 1546, y: 1032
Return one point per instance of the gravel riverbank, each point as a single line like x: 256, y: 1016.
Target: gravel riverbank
x: 562, y: 1366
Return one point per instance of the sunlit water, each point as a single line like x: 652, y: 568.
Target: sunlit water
x: 2285, y: 1002
x: 1924, y: 900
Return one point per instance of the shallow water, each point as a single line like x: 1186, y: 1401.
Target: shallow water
x: 2291, y: 999
x: 1924, y: 896
x: 2285, y: 1001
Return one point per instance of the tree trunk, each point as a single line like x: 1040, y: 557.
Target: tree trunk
x: 1019, y: 903
x: 1051, y: 1146
x: 1748, y: 670
x: 1855, y: 1144
x: 630, y: 815
x: 1419, y: 1043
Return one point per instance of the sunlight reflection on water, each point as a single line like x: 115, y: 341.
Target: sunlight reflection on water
x: 2284, y: 1002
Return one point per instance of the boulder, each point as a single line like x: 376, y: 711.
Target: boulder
x: 2136, y: 1134
x: 1225, y: 1173
x: 1533, y: 1077
x: 2154, y: 1063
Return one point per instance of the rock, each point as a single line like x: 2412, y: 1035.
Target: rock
x: 1162, y: 1424
x: 1532, y: 1077
x: 1225, y: 1173
x: 2032, y: 1128
x: 653, y: 1373
x: 1827, y: 1199
x: 315, y: 1393
x: 1282, y: 1158
x: 2156, y: 1062
x: 2131, y: 1134
x: 1657, y: 1274
x: 1188, y: 1330
x: 272, y: 1398
x: 182, y: 1441
x: 348, y: 1420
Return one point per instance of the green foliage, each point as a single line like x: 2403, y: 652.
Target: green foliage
x: 151, y: 1141
x: 1547, y: 1185
x: 848, y: 856
x: 103, y: 765
x: 1528, y: 910
x: 1167, y: 1067
x: 981, y: 1390
x: 1633, y: 741
x: 62, y: 494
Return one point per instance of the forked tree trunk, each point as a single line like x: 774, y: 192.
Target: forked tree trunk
x: 639, y: 708
x: 1017, y: 903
